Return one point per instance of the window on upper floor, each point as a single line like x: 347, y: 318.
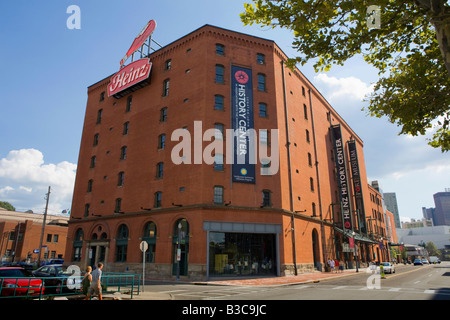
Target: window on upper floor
x: 220, y: 71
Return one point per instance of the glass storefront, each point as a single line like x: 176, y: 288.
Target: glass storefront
x: 236, y: 254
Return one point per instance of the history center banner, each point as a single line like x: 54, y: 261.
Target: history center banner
x: 357, y: 189
x: 341, y: 169
x: 244, y: 142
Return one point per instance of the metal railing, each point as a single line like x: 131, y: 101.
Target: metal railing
x: 126, y: 283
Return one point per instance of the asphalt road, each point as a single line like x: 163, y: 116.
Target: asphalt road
x: 429, y: 282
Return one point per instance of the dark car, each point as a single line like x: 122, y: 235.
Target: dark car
x: 14, y: 281
x: 57, y: 279
x: 418, y: 262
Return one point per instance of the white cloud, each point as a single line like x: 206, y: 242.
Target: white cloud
x: 344, y: 88
x: 25, y: 178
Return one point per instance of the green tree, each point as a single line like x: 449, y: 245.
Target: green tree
x: 432, y: 249
x: 410, y: 48
x: 6, y: 205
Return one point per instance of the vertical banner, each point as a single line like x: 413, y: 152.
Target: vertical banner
x: 243, y: 168
x: 341, y: 168
x: 357, y: 190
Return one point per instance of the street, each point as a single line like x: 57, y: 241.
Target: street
x: 428, y: 282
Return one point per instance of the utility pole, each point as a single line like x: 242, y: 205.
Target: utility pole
x: 43, y: 227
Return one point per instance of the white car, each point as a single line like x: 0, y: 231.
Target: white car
x: 388, y: 267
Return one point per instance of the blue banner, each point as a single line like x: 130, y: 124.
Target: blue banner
x: 243, y: 168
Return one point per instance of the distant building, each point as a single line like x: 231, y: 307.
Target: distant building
x: 417, y: 223
x: 20, y: 234
x: 442, y: 211
x: 439, y: 235
x: 429, y: 214
x: 390, y: 199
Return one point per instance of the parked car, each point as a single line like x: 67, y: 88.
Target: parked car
x: 388, y: 267
x: 418, y: 262
x: 53, y: 261
x: 14, y: 281
x: 425, y: 261
x: 57, y: 279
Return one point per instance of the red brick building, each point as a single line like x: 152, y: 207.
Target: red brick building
x: 130, y: 189
x: 20, y: 234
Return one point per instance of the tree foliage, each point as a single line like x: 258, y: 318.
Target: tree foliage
x: 6, y: 205
x: 413, y: 90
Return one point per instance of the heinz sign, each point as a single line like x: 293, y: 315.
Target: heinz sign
x: 130, y: 76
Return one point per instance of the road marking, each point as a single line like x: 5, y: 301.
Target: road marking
x: 416, y: 282
x: 394, y: 289
x: 171, y: 291
x: 340, y: 287
x: 430, y: 291
x: 302, y: 287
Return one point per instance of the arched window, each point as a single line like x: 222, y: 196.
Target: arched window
x: 150, y: 237
x: 122, y: 243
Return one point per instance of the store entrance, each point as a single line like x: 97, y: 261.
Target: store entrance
x: 242, y: 254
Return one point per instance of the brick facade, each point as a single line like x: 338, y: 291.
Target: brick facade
x: 124, y: 164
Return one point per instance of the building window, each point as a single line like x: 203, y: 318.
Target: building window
x: 218, y: 102
x: 309, y: 159
x: 128, y: 108
x: 303, y: 91
x: 89, y: 188
x: 87, y: 206
x: 102, y: 96
x: 220, y: 70
x: 150, y: 237
x: 311, y: 183
x: 168, y: 64
x: 99, y: 116
x: 96, y: 136
x: 122, y: 243
x: 261, y: 82
x: 219, y: 130
x: 218, y: 194
x: 158, y: 198
x: 93, y: 160
x: 120, y: 178
x: 266, y: 198
x: 163, y: 114
x: 263, y: 110
x: 220, y: 49
x: 49, y: 237
x: 307, y: 136
x: 126, y: 127
x: 123, y: 153
x: 118, y: 205
x: 218, y: 162
x: 161, y: 141
x: 166, y: 87
x: 260, y: 58
x: 159, y: 170
x: 264, y: 137
x: 55, y: 238
x: 313, y: 209
x: 305, y: 111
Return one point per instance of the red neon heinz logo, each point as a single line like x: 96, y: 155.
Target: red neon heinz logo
x: 129, y: 76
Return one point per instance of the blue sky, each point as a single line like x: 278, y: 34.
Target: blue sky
x: 48, y: 67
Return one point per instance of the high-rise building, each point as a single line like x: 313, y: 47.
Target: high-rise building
x: 442, y: 208
x: 390, y: 199
x: 167, y: 157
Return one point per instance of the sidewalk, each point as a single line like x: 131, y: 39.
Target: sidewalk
x: 259, y: 281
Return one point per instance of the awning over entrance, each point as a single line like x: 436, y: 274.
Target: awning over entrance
x: 357, y: 236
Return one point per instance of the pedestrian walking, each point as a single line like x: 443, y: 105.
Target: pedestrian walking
x: 96, y: 283
x: 336, y: 264
x: 86, y: 283
x: 332, y: 265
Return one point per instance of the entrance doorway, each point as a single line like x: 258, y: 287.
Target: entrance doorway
x: 316, y: 250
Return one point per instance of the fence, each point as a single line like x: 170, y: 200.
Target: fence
x: 30, y: 288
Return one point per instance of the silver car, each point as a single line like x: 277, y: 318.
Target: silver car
x: 388, y: 267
